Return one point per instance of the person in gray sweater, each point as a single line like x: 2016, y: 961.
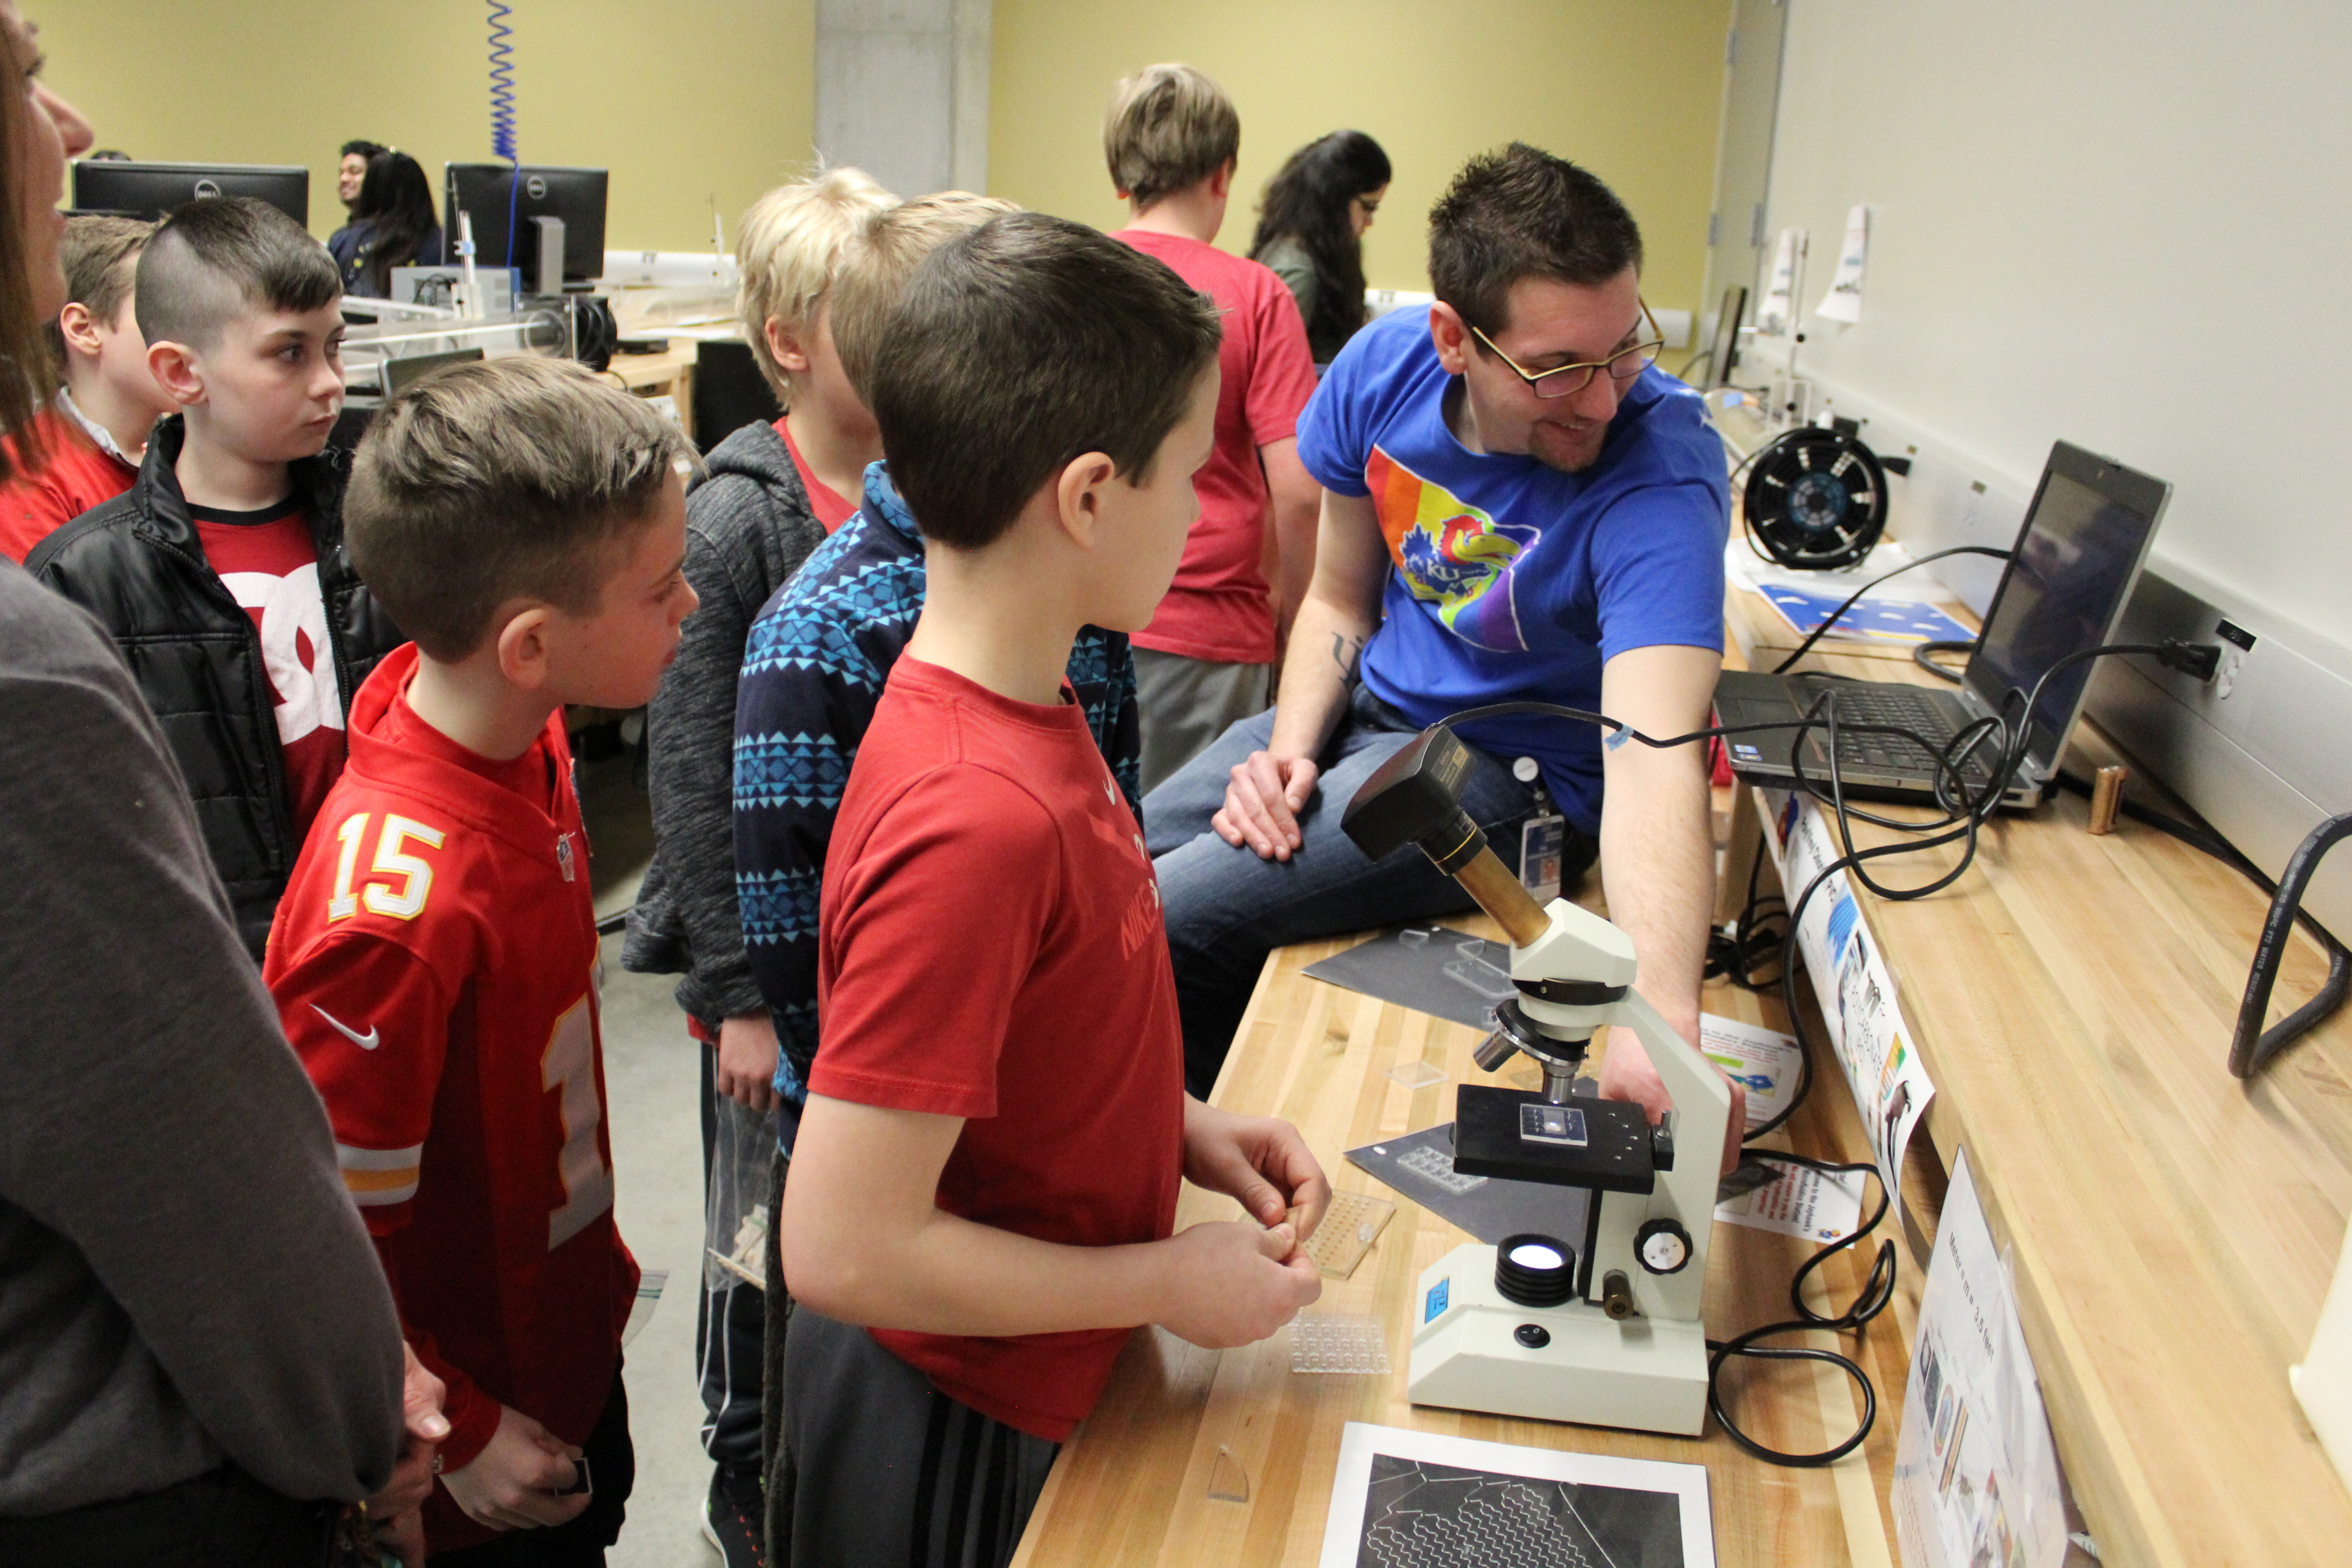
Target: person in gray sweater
x: 196, y: 1342
x: 749, y: 526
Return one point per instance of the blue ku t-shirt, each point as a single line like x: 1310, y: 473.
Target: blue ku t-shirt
x: 1511, y: 580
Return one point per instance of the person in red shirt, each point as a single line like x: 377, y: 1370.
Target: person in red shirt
x: 94, y: 431
x: 1207, y: 659
x: 984, y: 1181
x: 434, y: 957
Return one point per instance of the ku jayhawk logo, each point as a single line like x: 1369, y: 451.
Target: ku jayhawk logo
x: 1451, y: 555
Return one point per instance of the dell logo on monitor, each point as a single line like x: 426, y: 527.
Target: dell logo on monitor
x: 537, y: 188
x: 207, y: 188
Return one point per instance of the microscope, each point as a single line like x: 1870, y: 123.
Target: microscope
x: 1601, y: 1327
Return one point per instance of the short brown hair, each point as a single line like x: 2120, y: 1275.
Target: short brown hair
x: 501, y: 479
x: 1168, y: 128
x: 1020, y: 347
x: 1522, y: 212
x: 101, y: 255
x: 215, y: 258
x: 877, y: 265
x: 788, y: 250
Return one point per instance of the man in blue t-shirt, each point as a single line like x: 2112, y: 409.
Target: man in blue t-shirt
x: 1519, y: 507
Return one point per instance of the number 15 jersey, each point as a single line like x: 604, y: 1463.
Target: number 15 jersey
x: 434, y: 963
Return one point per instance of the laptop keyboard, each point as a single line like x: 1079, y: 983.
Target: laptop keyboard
x: 1896, y: 706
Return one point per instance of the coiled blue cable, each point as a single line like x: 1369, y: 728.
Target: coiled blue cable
x: 503, y: 142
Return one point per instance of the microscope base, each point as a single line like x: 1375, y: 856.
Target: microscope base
x: 1647, y: 1374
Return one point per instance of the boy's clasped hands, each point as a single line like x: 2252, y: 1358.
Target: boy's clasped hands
x: 1235, y: 1282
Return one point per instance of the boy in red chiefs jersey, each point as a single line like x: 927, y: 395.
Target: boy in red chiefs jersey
x: 221, y: 571
x: 986, y: 1174
x: 93, y: 432
x: 434, y: 959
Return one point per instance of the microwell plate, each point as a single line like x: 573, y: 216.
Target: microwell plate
x: 1337, y: 1342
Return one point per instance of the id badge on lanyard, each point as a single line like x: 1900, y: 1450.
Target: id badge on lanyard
x: 1542, y: 840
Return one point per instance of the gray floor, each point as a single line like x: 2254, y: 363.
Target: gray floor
x: 652, y: 1080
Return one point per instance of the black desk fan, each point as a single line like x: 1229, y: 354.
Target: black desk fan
x: 1816, y: 498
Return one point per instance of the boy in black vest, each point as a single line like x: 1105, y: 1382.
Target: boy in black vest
x: 221, y: 573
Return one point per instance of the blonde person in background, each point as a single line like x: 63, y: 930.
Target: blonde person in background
x: 771, y: 494
x: 1207, y: 659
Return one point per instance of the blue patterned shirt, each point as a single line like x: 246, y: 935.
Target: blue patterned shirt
x: 813, y: 668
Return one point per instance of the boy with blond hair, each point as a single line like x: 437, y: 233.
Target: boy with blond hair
x: 1172, y: 138
x: 221, y: 573
x: 435, y: 958
x: 985, y: 1177
x: 771, y: 493
x: 95, y: 430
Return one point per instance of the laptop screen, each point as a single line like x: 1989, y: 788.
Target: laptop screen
x: 2077, y: 559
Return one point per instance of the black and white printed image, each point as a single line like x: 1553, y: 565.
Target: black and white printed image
x: 1418, y: 1514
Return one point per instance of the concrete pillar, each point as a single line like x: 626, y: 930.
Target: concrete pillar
x: 902, y: 91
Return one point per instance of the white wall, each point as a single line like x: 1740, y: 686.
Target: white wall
x: 2128, y: 225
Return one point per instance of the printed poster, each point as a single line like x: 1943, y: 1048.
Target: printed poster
x: 1975, y: 1478
x: 1873, y: 1042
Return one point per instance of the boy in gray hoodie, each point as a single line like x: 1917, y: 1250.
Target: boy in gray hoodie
x: 771, y: 494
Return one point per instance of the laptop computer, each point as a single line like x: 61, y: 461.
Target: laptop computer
x: 2077, y: 557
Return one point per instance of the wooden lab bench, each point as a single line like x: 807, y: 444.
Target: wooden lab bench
x: 2172, y: 1230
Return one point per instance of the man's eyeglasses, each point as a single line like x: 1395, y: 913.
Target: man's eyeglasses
x: 1567, y: 380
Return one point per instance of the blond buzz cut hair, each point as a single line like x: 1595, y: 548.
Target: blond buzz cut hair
x: 788, y: 250
x: 879, y: 264
x: 1168, y: 128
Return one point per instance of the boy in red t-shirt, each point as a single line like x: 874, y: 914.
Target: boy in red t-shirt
x: 221, y: 571
x: 434, y: 957
x: 986, y: 1174
x: 93, y: 432
x: 1206, y: 661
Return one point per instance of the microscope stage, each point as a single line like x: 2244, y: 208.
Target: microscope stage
x: 1603, y: 1145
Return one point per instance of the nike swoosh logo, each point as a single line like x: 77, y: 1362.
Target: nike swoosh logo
x: 366, y: 1042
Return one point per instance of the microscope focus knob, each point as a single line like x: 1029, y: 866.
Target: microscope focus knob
x: 1663, y: 1246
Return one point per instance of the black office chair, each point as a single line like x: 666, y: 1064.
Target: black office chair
x: 729, y: 391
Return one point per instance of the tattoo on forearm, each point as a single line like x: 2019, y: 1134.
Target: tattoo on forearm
x: 1347, y: 652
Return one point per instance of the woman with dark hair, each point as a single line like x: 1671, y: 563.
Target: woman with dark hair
x: 205, y: 1363
x: 395, y: 225
x: 1310, y: 231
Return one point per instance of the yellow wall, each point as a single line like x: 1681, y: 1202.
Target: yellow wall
x: 1632, y: 88
x: 682, y: 99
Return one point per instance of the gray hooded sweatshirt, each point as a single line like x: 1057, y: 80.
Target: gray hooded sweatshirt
x: 749, y: 526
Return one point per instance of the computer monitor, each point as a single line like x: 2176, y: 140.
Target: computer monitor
x: 2065, y: 588
x: 1723, y: 352
x: 151, y: 190
x: 487, y: 191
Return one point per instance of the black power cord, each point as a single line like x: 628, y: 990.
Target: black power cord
x: 1924, y: 656
x: 2251, y: 1045
x: 1877, y: 1291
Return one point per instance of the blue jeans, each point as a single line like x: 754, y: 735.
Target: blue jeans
x: 1226, y: 909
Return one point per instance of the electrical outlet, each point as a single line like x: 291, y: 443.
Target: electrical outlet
x: 2236, y: 644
